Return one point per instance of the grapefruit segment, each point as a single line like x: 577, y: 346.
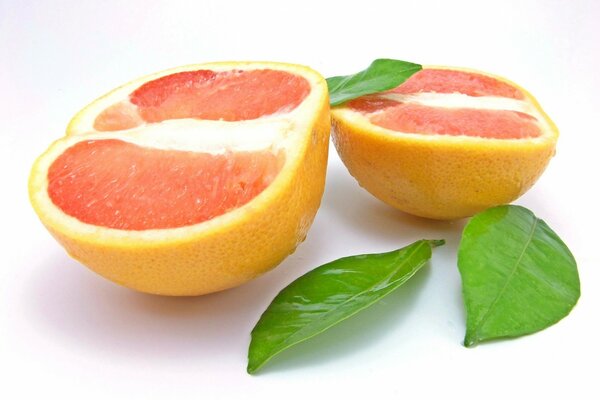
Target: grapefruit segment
x: 445, y: 144
x: 192, y: 180
x: 372, y: 103
x: 121, y: 185
x: 498, y: 124
x: 120, y: 116
x: 234, y: 95
x: 455, y: 81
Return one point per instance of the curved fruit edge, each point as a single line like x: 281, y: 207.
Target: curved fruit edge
x: 56, y: 221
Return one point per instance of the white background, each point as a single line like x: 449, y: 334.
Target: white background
x: 65, y: 332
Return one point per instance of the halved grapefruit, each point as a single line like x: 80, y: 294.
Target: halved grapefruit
x: 192, y: 180
x: 445, y: 144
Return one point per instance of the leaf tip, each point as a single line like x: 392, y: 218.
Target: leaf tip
x: 255, y: 360
x: 437, y: 242
x: 470, y: 341
x: 251, y: 368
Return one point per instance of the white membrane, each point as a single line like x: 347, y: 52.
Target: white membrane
x: 207, y: 136
x: 459, y: 100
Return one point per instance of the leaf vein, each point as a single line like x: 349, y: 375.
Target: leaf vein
x: 485, y: 317
x: 286, y: 341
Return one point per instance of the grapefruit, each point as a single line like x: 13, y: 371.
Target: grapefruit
x: 192, y: 180
x: 445, y: 144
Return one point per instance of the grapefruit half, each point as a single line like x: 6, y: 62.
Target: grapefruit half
x: 445, y: 144
x: 192, y: 180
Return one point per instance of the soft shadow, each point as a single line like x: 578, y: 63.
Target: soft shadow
x: 371, y: 221
x: 358, y: 210
x: 356, y: 334
x: 77, y: 308
x: 82, y: 309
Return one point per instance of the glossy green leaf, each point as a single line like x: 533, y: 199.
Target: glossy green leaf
x: 383, y: 74
x: 518, y: 276
x: 329, y: 294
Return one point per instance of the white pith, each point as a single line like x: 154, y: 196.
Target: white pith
x: 460, y: 100
x: 286, y: 130
x: 214, y: 137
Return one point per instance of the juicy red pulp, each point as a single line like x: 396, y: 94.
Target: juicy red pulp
x: 120, y: 185
x: 236, y: 95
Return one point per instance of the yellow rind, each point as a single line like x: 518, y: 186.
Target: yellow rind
x: 440, y: 176
x: 217, y: 254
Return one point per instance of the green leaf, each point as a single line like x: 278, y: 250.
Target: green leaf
x: 383, y: 74
x: 330, y: 294
x: 518, y: 276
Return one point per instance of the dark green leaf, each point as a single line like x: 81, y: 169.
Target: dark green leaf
x: 329, y: 294
x: 518, y: 276
x: 383, y: 74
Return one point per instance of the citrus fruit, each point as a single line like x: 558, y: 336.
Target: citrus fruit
x: 192, y: 180
x: 445, y: 144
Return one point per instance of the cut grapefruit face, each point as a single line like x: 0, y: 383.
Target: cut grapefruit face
x: 192, y: 180
x: 446, y: 143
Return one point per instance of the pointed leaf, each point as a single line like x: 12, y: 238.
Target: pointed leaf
x: 383, y: 74
x: 329, y: 294
x: 518, y: 276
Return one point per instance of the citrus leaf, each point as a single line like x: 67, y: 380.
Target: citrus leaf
x: 383, y: 74
x: 518, y: 276
x: 330, y: 294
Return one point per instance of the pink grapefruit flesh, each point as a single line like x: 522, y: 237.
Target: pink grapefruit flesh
x: 203, y: 94
x: 499, y: 124
x: 121, y: 185
x: 452, y: 81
